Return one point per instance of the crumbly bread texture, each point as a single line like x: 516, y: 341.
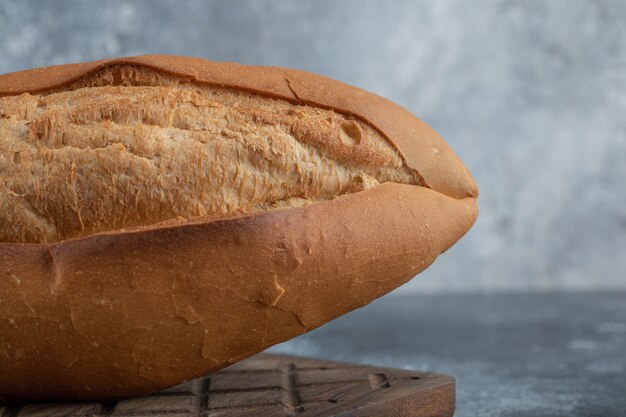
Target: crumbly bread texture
x: 163, y: 217
x: 128, y: 147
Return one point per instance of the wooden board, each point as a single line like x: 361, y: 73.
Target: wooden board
x: 276, y: 385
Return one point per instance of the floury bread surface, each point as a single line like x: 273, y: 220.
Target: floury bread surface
x: 162, y: 217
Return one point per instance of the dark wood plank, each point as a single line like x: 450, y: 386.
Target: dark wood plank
x: 277, y: 385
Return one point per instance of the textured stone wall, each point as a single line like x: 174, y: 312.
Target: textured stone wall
x: 531, y: 95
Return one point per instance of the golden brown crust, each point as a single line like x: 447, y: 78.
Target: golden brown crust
x: 421, y: 147
x: 125, y: 313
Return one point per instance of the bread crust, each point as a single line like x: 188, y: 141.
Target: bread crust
x: 129, y: 312
x: 420, y: 146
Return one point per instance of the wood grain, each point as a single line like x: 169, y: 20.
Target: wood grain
x: 277, y: 385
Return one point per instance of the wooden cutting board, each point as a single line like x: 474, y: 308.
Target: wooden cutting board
x: 276, y: 385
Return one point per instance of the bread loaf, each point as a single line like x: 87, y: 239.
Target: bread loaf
x: 163, y: 217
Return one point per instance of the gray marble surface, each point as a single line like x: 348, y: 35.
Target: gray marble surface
x: 530, y: 94
x: 522, y: 355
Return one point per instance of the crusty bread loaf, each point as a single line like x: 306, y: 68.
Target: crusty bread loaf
x: 162, y: 217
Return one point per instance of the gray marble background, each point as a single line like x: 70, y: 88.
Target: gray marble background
x: 530, y: 94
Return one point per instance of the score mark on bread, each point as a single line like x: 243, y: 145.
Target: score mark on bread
x: 97, y: 157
